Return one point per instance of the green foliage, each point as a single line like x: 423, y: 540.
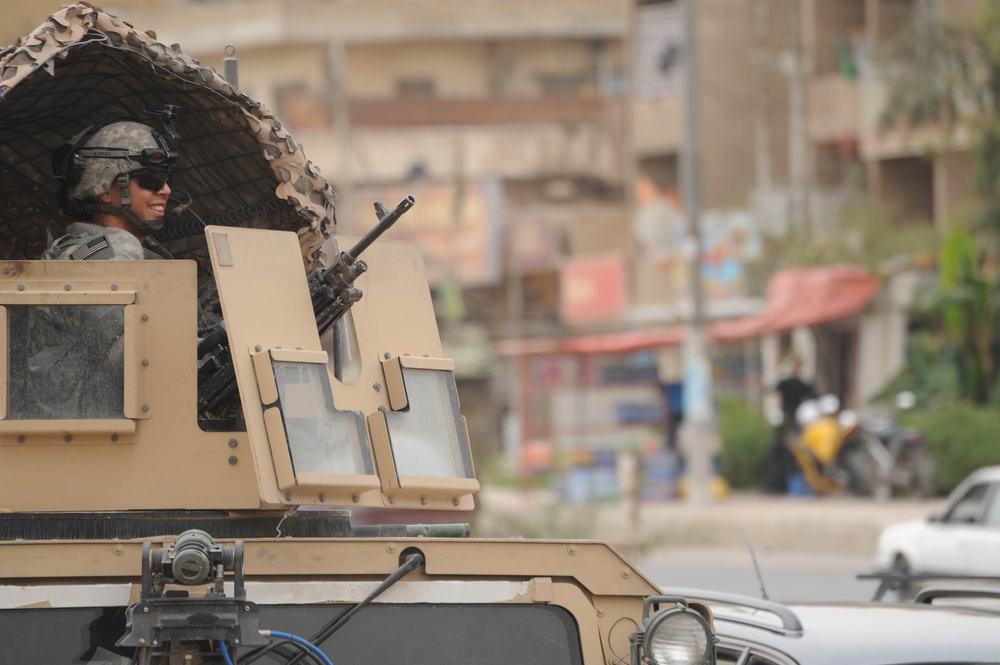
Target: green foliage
x: 961, y: 437
x: 746, y: 442
x: 861, y: 231
x: 968, y: 311
x: 947, y: 75
x: 931, y: 374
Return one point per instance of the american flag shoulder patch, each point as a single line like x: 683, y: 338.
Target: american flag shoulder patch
x: 88, y: 249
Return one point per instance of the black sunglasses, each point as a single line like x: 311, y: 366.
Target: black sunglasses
x: 151, y: 180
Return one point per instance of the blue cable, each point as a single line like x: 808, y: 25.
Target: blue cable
x: 300, y: 641
x: 225, y: 653
x: 285, y: 636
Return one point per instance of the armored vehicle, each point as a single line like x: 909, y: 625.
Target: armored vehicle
x: 182, y: 441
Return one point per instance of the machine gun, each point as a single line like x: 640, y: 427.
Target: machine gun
x: 332, y: 292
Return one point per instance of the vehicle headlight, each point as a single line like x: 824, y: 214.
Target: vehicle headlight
x: 673, y: 635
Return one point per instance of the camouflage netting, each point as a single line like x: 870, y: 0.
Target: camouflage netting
x: 237, y: 163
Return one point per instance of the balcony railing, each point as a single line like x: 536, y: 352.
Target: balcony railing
x: 303, y: 110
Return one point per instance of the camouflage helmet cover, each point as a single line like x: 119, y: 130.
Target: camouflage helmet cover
x: 99, y: 173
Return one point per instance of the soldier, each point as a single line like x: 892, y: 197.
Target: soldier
x: 116, y: 176
x: 67, y: 362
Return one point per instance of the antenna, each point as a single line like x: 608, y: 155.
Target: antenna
x: 753, y: 557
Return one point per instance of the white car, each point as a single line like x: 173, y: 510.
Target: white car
x: 962, y: 539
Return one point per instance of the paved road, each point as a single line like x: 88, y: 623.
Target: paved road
x: 807, y: 549
x: 798, y: 576
x: 842, y: 526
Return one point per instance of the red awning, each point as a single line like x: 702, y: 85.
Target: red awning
x: 804, y: 297
x: 795, y: 297
x: 619, y: 342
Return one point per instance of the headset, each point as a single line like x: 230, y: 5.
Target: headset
x: 70, y: 159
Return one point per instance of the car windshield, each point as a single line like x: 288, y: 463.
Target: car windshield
x: 969, y: 509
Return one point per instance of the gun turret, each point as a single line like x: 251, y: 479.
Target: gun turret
x: 332, y: 289
x: 332, y: 292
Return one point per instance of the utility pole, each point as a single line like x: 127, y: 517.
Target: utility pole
x: 698, y: 434
x: 798, y: 149
x: 340, y: 108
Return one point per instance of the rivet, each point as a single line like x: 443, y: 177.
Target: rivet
x: 146, y: 611
x: 572, y: 549
x: 423, y: 501
x: 390, y: 547
x: 258, y: 348
x: 288, y: 497
x: 145, y: 407
x: 114, y: 438
x: 21, y: 439
x: 156, y: 643
x: 119, y: 549
x: 377, y: 386
x: 382, y: 409
x: 246, y: 608
x: 355, y: 498
x: 233, y: 459
x: 600, y: 611
x: 114, y: 287
x: 20, y: 287
x: 68, y: 287
x: 322, y: 498
x: 455, y: 501
x: 145, y: 317
x: 236, y: 641
x: 387, y: 355
x: 69, y: 437
x: 232, y: 443
x: 626, y: 573
x: 141, y: 639
x: 392, y: 500
x: 145, y: 362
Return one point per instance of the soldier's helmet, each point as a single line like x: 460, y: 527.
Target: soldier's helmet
x: 88, y: 164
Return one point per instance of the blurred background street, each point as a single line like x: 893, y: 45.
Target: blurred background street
x: 807, y: 548
x: 654, y: 229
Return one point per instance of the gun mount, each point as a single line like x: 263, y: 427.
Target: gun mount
x: 332, y: 292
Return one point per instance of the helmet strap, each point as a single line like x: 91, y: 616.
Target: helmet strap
x: 125, y: 210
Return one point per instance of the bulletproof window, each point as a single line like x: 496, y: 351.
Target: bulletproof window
x: 429, y: 438
x: 321, y: 439
x: 66, y: 362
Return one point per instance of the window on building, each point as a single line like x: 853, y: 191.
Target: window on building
x: 415, y: 87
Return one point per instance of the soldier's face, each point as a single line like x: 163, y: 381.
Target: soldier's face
x: 148, y: 203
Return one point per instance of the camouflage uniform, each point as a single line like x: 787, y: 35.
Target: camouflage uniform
x: 91, y: 241
x: 67, y: 361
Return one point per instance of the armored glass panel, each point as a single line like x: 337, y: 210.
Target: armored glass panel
x: 66, y: 362
x: 426, y: 634
x: 321, y: 439
x: 428, y: 438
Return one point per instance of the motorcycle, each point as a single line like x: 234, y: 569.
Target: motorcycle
x: 835, y: 454
x: 912, y: 468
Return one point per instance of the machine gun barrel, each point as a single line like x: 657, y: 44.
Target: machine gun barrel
x: 332, y: 289
x: 332, y: 292
x: 386, y: 219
